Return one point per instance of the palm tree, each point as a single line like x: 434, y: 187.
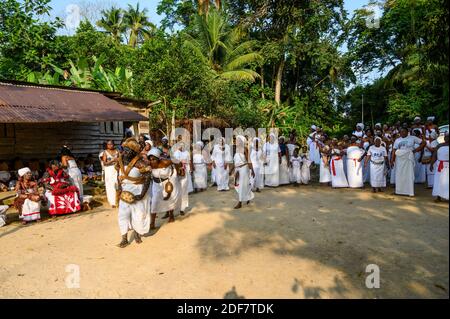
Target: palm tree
x: 223, y: 48
x: 112, y: 23
x: 138, y: 25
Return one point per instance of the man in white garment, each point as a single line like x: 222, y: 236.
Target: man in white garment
x: 403, y: 159
x: 134, y: 196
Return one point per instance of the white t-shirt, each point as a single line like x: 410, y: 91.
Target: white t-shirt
x: 377, y: 154
x: 407, y: 142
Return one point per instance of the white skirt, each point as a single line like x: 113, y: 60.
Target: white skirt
x: 284, y: 171
x: 200, y: 176
x: 338, y: 178
x: 221, y: 177
x: 377, y: 175
x: 430, y: 176
x: 259, y: 177
x: 77, y: 178
x: 159, y: 205
x: 244, y: 185
x: 355, y: 173
x: 404, y: 172
x: 440, y: 186
x: 305, y: 173
x: 110, y: 184
x: 30, y: 210
x: 325, y: 174
x: 135, y: 216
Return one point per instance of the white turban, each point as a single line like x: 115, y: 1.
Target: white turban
x: 430, y: 118
x: 378, y: 124
x: 165, y: 138
x: 200, y: 143
x: 313, y: 127
x: 23, y: 171
x: 154, y: 152
x: 149, y: 142
x: 360, y: 125
x: 417, y: 118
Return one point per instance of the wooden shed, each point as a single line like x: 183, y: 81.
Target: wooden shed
x: 37, y: 120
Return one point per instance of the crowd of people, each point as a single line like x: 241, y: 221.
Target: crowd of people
x: 143, y: 179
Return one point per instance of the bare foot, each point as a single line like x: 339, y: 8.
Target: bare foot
x: 238, y: 205
x: 182, y: 213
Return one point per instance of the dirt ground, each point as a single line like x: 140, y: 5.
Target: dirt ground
x: 306, y: 242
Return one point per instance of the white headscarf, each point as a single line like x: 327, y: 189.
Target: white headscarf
x: 430, y: 118
x: 23, y: 171
x: 313, y: 127
x: 360, y: 125
x: 154, y: 152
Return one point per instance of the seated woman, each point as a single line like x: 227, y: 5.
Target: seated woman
x: 28, y: 200
x: 62, y: 196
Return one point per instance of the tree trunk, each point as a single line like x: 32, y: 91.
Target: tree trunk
x: 262, y: 83
x: 278, y: 82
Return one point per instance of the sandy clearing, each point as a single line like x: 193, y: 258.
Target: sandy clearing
x: 306, y: 242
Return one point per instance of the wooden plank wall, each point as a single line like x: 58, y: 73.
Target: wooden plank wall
x: 43, y: 141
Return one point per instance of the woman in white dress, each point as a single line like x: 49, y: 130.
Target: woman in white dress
x: 285, y: 163
x: 256, y: 157
x: 377, y: 156
x: 428, y: 151
x: 403, y: 159
x: 166, y: 194
x: 354, y: 165
x: 68, y: 161
x: 221, y: 158
x: 305, y: 170
x: 199, y: 167
x: 296, y: 165
x: 183, y: 157
x: 109, y: 160
x: 272, y: 162
x: 243, y: 172
x: 420, y: 173
x: 291, y: 145
x: 325, y: 174
x: 439, y: 164
x: 313, y: 147
x: 338, y: 178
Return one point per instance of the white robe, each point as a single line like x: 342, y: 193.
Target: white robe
x: 338, y: 178
x: 75, y: 175
x: 291, y: 148
x: 377, y: 166
x: 305, y: 171
x: 440, y: 186
x: 200, y: 174
x: 314, y: 153
x: 244, y: 183
x: 427, y: 155
x: 354, y: 167
x: 186, y: 180
x: 325, y: 173
x: 159, y: 205
x: 137, y: 215
x: 404, y: 172
x: 296, y: 163
x: 256, y: 157
x: 420, y: 171
x: 31, y: 210
x: 110, y: 180
x: 221, y: 158
x: 272, y: 166
x: 284, y: 171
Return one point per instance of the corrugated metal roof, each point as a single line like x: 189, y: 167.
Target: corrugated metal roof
x: 38, y: 104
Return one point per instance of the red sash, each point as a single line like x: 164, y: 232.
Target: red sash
x: 441, y: 165
x: 333, y: 169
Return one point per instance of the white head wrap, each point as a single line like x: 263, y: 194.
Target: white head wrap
x: 165, y: 138
x: 154, y: 152
x: 314, y: 127
x: 149, y: 142
x: 417, y: 118
x: 378, y: 124
x: 360, y: 125
x: 23, y: 171
x: 430, y: 118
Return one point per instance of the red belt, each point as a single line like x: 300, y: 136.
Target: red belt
x: 333, y: 169
x: 441, y: 165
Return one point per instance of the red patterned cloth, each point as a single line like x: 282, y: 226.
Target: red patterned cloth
x: 63, y: 199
